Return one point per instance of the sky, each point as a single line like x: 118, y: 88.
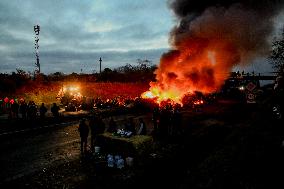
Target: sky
x: 76, y: 33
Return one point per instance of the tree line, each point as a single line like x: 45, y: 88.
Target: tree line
x: 143, y: 71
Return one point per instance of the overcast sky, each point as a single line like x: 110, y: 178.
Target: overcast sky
x: 76, y: 33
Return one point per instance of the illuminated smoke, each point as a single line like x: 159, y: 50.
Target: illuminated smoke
x: 209, y: 39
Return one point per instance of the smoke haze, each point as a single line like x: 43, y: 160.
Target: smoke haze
x: 209, y: 39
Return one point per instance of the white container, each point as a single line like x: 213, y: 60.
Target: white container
x: 110, y: 161
x: 120, y: 163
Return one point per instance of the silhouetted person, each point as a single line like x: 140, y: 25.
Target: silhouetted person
x: 94, y: 125
x: 165, y: 121
x: 31, y: 110
x: 15, y: 109
x: 112, y: 126
x: 101, y: 125
x: 55, y: 110
x: 155, y: 118
x: 23, y: 109
x: 177, y: 121
x: 142, y: 127
x: 42, y: 111
x: 84, y: 132
x: 130, y: 126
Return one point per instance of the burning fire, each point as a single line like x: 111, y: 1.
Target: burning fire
x: 159, y: 95
x: 196, y: 65
x: 70, y: 90
x: 210, y: 38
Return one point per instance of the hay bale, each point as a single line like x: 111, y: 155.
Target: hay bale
x: 138, y: 145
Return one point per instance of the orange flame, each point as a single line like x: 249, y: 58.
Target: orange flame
x: 197, y: 65
x: 161, y: 95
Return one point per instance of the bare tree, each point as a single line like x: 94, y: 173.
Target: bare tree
x: 144, y: 65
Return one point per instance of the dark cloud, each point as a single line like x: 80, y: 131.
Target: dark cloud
x: 244, y: 24
x: 183, y: 8
x: 211, y: 38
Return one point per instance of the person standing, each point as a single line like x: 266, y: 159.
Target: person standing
x: 42, y: 111
x: 55, y: 110
x: 23, y: 109
x: 112, y: 126
x: 15, y: 109
x: 156, y: 119
x: 101, y: 125
x: 130, y: 126
x: 97, y: 127
x: 93, y: 124
x: 177, y: 121
x: 142, y: 127
x: 32, y: 110
x: 84, y: 132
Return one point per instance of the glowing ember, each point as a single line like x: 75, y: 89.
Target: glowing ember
x: 198, y: 102
x: 148, y: 94
x: 162, y: 95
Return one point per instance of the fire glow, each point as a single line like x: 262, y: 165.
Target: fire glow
x: 195, y: 67
x: 70, y: 91
x: 207, y: 42
x: 159, y: 95
x: 198, y: 102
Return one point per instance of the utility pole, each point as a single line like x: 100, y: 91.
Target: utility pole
x: 100, y: 64
x: 37, y: 64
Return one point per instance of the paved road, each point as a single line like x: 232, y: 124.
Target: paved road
x: 30, y: 150
x: 26, y: 152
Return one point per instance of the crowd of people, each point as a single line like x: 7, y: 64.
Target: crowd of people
x: 96, y: 126
x: 166, y: 122
x: 29, y: 111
